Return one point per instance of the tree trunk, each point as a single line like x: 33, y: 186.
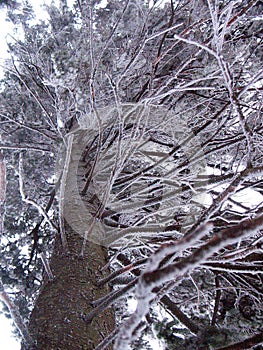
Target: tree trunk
x: 56, y: 321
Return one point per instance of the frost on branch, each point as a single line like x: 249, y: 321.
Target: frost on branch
x: 150, y: 280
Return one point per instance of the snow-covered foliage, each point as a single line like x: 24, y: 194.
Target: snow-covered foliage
x: 140, y: 123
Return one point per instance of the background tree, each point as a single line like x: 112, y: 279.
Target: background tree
x: 9, y: 3
x: 156, y: 111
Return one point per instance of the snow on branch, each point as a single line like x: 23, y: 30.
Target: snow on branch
x: 152, y: 279
x: 62, y: 192
x: 31, y: 201
x: 46, y: 266
x: 229, y: 191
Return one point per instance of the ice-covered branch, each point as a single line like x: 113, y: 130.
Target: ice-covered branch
x: 46, y: 266
x: 62, y: 192
x: 151, y: 279
x: 229, y: 191
x: 26, y: 199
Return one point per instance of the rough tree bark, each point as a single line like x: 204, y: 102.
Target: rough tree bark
x: 57, y: 321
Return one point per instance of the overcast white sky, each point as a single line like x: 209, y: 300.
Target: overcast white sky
x: 7, y: 341
x: 7, y: 28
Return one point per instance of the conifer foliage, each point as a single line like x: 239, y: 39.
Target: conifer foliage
x: 131, y: 172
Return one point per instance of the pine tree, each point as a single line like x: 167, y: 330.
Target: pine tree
x: 128, y: 131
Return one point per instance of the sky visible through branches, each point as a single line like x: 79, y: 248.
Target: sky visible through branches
x: 7, y: 339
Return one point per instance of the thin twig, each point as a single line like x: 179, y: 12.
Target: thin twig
x: 31, y: 201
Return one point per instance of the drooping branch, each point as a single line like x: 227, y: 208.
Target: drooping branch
x: 151, y: 279
x: 200, y: 255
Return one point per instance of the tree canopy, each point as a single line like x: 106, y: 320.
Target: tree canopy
x: 131, y: 155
